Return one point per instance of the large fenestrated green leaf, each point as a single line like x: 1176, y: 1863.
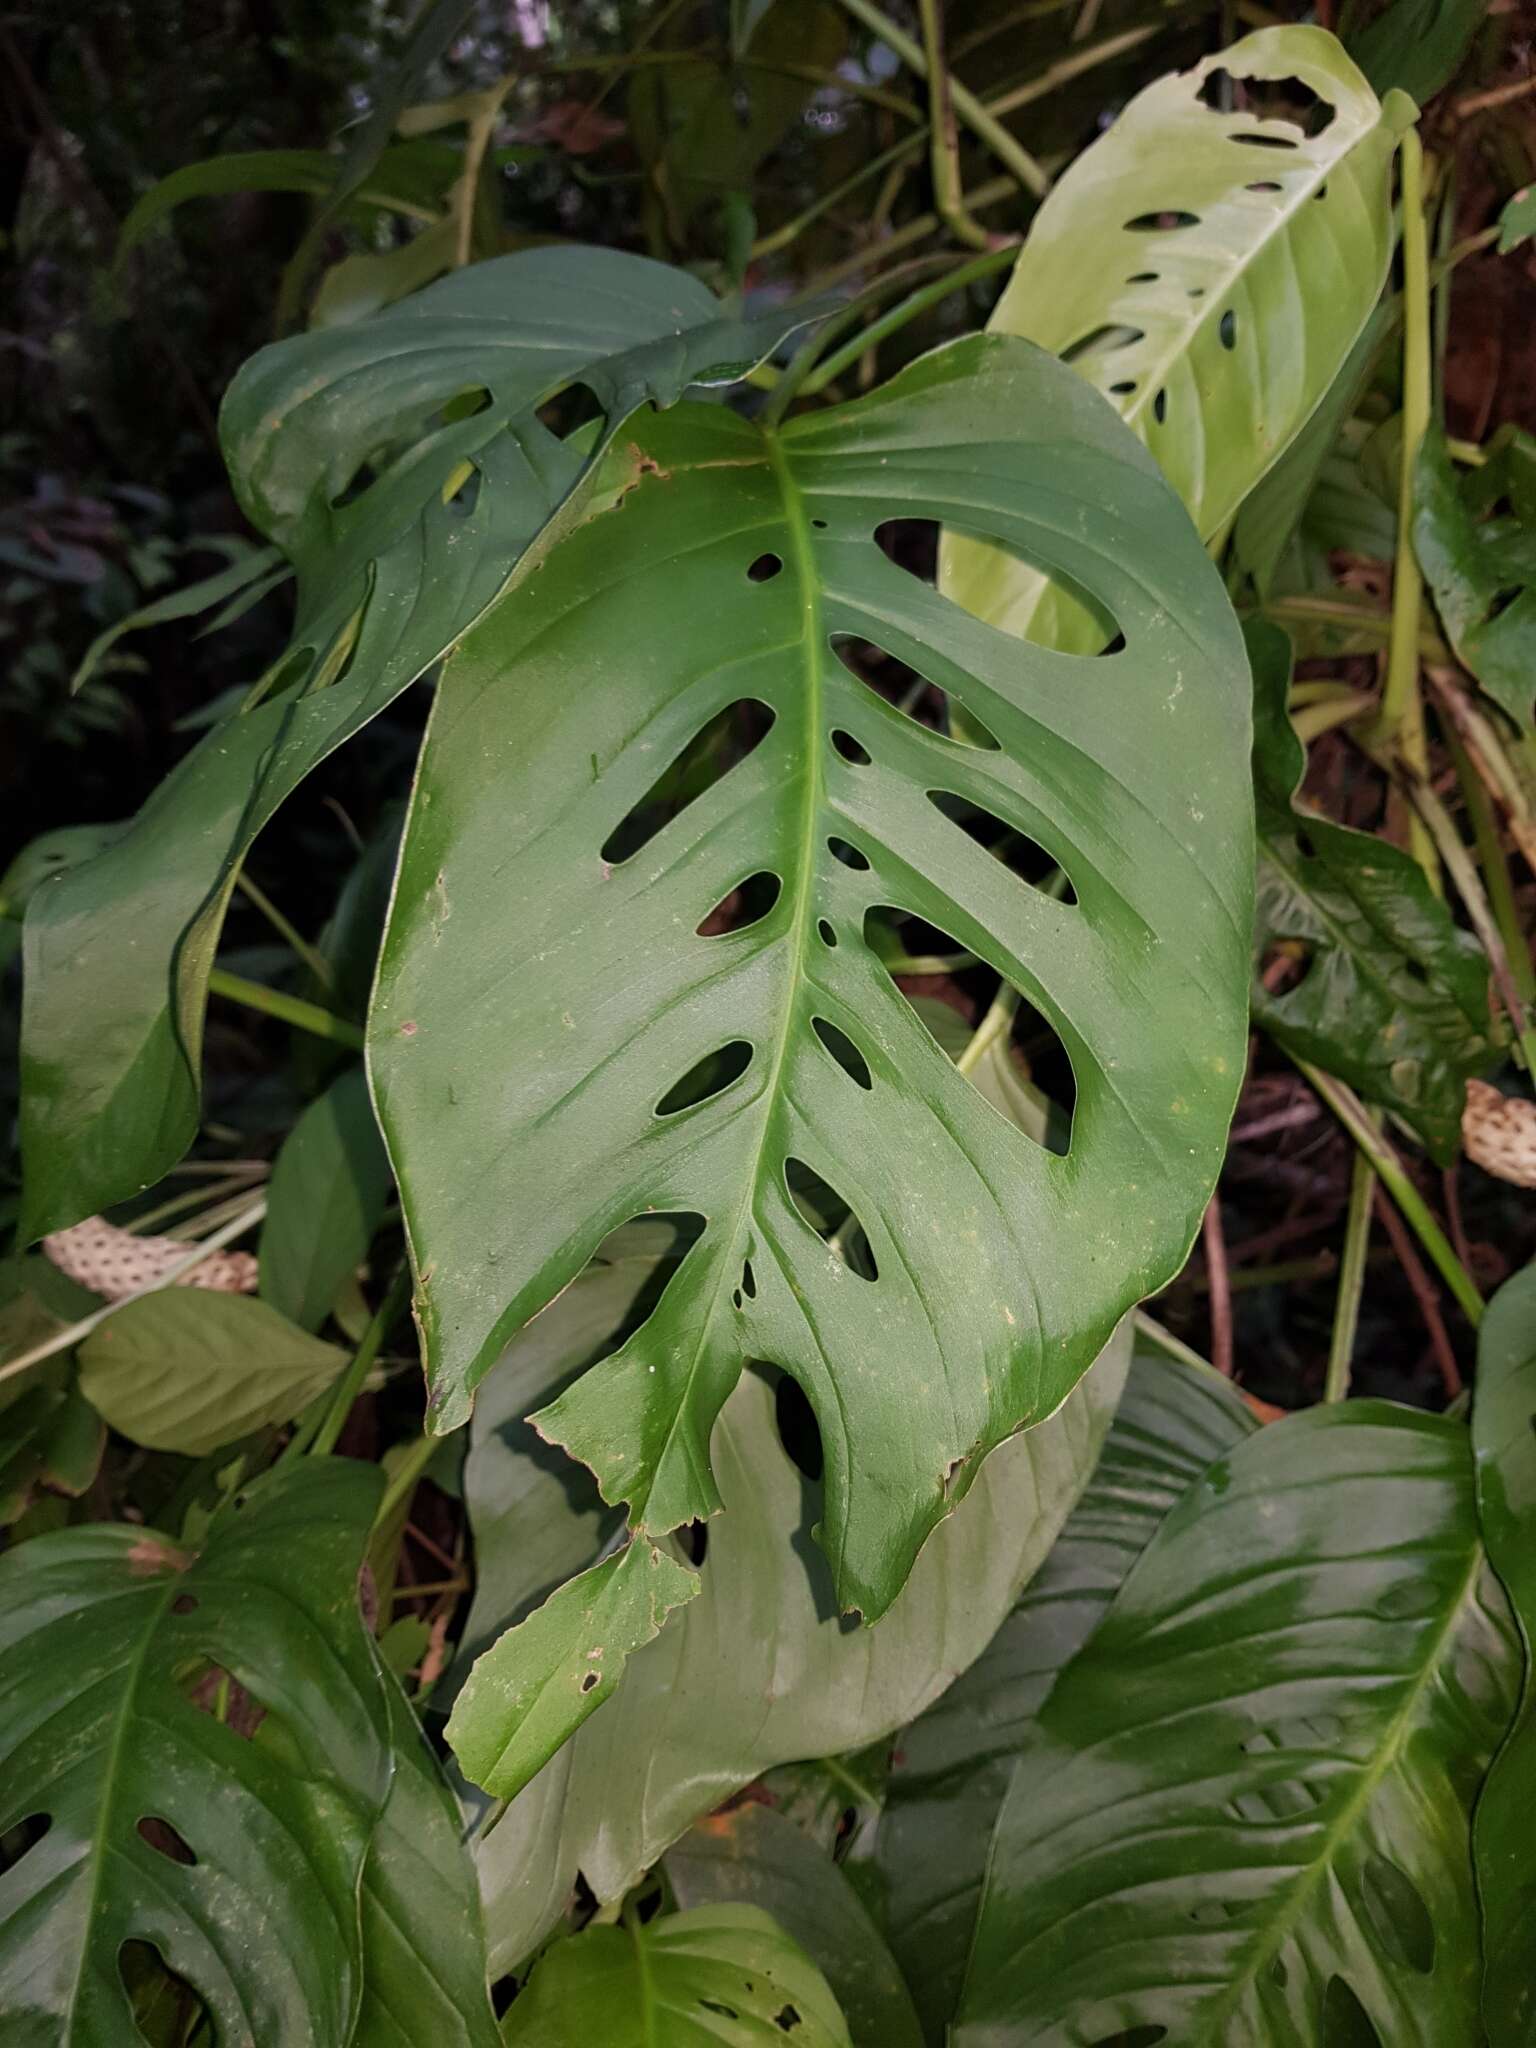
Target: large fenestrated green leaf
x: 1208, y: 271
x: 1504, y: 1444
x: 117, y: 952
x: 236, y: 1855
x: 1394, y: 995
x: 1243, y: 1816
x: 541, y: 994
x: 953, y: 1765
x: 760, y: 1670
x: 716, y: 1974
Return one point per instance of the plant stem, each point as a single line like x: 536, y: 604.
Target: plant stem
x: 304, y: 1016
x: 1401, y: 724
x: 1490, y: 852
x: 910, y: 307
x: 350, y: 1384
x: 943, y: 139
x: 1351, y: 1113
x: 1219, y: 1287
x: 315, y: 961
x: 404, y: 1483
x: 65, y: 1340
x: 1165, y: 1341
x: 984, y: 126
x: 1068, y: 68
x: 1346, y: 1311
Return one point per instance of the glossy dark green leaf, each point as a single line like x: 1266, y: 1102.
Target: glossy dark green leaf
x: 760, y: 1669
x: 1394, y: 997
x: 718, y: 1974
x: 233, y: 1846
x: 1483, y: 576
x: 424, y: 1965
x: 189, y: 1368
x: 387, y: 580
x: 1244, y: 1813
x: 1504, y: 1443
x: 1207, y: 266
x: 1517, y: 223
x: 753, y: 1856
x: 1417, y: 46
x: 528, y: 940
x: 327, y: 1193
x: 50, y: 1436
x: 953, y: 1765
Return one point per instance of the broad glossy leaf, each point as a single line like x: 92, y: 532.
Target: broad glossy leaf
x: 327, y: 1194
x: 1208, y: 272
x: 387, y: 580
x: 1483, y: 576
x: 533, y: 1688
x: 1394, y: 997
x: 1504, y: 1444
x: 236, y: 1855
x: 1517, y: 223
x: 754, y: 1856
x: 953, y: 1766
x: 676, y: 1980
x: 541, y: 995
x: 395, y: 185
x: 424, y: 1966
x: 760, y: 1669
x: 188, y: 1368
x: 1243, y: 1816
x: 1417, y: 46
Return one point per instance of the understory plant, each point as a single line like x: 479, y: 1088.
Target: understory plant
x: 789, y: 1025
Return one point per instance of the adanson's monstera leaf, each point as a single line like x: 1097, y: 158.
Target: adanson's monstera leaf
x: 558, y: 1043
x: 1207, y: 265
x: 439, y: 396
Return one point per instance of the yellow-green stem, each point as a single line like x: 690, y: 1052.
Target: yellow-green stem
x: 1346, y: 1312
x: 304, y: 1016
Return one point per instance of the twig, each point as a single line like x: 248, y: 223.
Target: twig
x: 943, y: 137
x: 304, y: 1016
x: 1423, y: 1294
x: 1346, y: 1310
x: 350, y: 1384
x: 1220, y: 1287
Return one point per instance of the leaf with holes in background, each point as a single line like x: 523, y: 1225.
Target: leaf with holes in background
x: 401, y: 465
x: 760, y: 1670
x: 692, y: 1980
x: 1207, y: 265
x: 197, y: 1749
x: 1243, y: 1815
x: 190, y: 1368
x: 1393, y: 995
x: 953, y: 1765
x: 1504, y: 1444
x: 562, y: 1039
x: 1476, y: 541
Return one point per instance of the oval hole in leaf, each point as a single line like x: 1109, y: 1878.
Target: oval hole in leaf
x: 912, y: 544
x: 851, y: 749
x: 896, y: 683
x: 1264, y: 185
x: 169, y: 1841
x: 1229, y: 329
x: 159, y: 1994
x: 1160, y: 407
x: 825, y: 932
x: 713, y: 751
x: 1144, y: 277
x: 1020, y: 854
x: 795, y: 1420
x: 1102, y: 341
x: 744, y: 906
x: 1398, y: 1916
x: 707, y: 1078
x: 1161, y: 223
x: 1346, y: 2023
x: 843, y: 1051
x: 1267, y: 141
x: 765, y: 568
x: 823, y: 1209
x: 25, y: 1835
x: 848, y: 854
x: 694, y: 1540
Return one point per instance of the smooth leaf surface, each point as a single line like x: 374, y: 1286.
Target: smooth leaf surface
x: 329, y: 1184
x: 50, y: 1436
x: 189, y: 1368
x: 760, y: 1669
x: 953, y: 1765
x: 1209, y: 272
x: 753, y: 1856
x: 1394, y: 995
x: 716, y: 1975
x: 1417, y: 46
x: 387, y: 580
x: 424, y: 1965
x: 1517, y: 223
x: 533, y: 1688
x: 1243, y: 1818
x: 1504, y: 1444
x: 1483, y: 576
x: 236, y: 1856
x: 541, y: 996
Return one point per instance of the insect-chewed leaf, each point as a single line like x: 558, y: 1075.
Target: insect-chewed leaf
x: 1207, y: 266
x: 560, y: 1040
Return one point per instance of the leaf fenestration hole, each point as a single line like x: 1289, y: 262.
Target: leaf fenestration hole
x: 1133, y: 2037
x: 765, y: 568
x: 742, y: 907
x: 843, y: 1051
x: 1228, y: 329
x: 1264, y: 185
x: 914, y: 695
x: 1160, y: 407
x: 822, y: 1209
x: 1162, y: 223
x: 590, y: 1681
x: 24, y: 1835
x: 1346, y: 2023
x: 1500, y: 603
x: 152, y: 1986
x: 169, y: 1841
x: 707, y: 1078
x: 795, y: 1420
x: 851, y: 749
x: 1020, y: 854
x: 1102, y: 341
x: 1398, y: 1916
x: 1144, y: 277
x: 845, y: 851
x: 1267, y: 141
x: 1267, y: 99
x: 694, y: 1539
x: 748, y: 1280
x: 825, y: 932
x: 912, y: 544
x: 719, y: 744
x: 1124, y: 388
x: 725, y: 2012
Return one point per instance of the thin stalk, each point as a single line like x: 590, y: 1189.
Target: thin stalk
x: 1313, y: 720
x: 1028, y: 173
x: 770, y: 245
x: 787, y: 386
x: 910, y: 307
x: 314, y: 960
x: 943, y: 137
x: 1351, y: 1113
x: 1490, y: 853
x: 304, y: 1016
x: 404, y: 1483
x: 1487, y: 754
x: 1349, y: 617
x: 1346, y: 1310
x: 915, y: 230
x: 208, y: 1195
x: 349, y: 1386
x: 996, y: 1024
x: 1166, y: 1342
x: 1401, y: 724
x: 65, y: 1340
x: 1219, y: 1286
